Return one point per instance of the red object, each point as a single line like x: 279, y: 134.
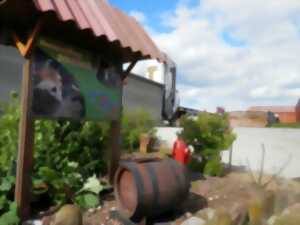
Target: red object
x: 181, y: 152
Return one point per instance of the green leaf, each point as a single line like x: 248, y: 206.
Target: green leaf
x: 92, y: 185
x: 87, y: 200
x: 10, y: 217
x: 7, y: 183
x: 48, y: 174
x: 3, y: 201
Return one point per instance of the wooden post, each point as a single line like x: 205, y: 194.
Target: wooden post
x: 25, y: 153
x: 115, y: 146
x: 230, y: 158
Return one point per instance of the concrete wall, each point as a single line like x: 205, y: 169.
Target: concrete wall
x: 140, y: 93
x: 167, y: 136
x: 282, y: 150
x: 11, y: 64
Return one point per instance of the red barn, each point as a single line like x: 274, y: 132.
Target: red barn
x: 286, y: 114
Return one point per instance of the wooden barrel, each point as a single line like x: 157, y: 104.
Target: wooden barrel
x: 150, y: 188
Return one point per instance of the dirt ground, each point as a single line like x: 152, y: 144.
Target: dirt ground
x: 232, y: 193
x: 248, y: 119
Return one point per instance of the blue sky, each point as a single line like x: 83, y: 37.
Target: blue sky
x: 231, y: 53
x: 153, y: 10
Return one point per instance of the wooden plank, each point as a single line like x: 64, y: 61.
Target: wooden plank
x: 25, y: 153
x: 26, y: 49
x: 115, y: 145
x: 129, y: 68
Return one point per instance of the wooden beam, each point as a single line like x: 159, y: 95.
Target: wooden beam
x: 129, y: 68
x: 115, y: 148
x: 26, y: 49
x: 25, y: 153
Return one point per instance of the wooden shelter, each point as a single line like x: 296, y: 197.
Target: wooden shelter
x: 93, y: 25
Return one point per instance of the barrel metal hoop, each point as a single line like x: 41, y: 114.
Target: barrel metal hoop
x: 155, y: 186
x: 131, y: 166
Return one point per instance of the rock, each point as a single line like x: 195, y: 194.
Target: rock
x: 92, y: 211
x: 290, y: 216
x: 210, y: 213
x: 272, y: 220
x: 188, y: 215
x: 68, y: 215
x: 194, y: 221
x: 210, y: 199
x: 206, y: 214
x: 33, y: 222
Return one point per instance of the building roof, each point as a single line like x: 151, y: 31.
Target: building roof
x: 102, y: 20
x: 275, y: 109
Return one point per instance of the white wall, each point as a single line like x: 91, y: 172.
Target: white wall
x: 282, y: 147
x: 167, y: 135
x: 142, y: 69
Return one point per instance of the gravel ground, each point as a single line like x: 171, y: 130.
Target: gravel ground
x: 282, y: 150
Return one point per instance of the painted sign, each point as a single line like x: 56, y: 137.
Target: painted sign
x: 69, y: 83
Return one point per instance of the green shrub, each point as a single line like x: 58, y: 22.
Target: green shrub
x: 209, y: 134
x: 66, y: 154
x: 133, y: 125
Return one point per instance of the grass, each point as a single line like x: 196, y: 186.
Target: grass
x: 286, y: 125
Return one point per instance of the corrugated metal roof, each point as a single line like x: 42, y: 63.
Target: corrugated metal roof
x: 275, y: 109
x: 104, y: 20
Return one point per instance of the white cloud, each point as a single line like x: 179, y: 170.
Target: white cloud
x: 215, y: 72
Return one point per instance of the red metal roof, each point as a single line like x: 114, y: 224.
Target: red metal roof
x: 104, y: 20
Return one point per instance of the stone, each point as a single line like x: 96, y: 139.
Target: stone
x: 33, y: 222
x: 194, y: 221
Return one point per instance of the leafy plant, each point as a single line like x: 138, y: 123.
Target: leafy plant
x: 10, y: 217
x: 88, y: 196
x: 133, y: 125
x: 209, y: 134
x: 66, y: 154
x: 9, y: 122
x: 8, y: 209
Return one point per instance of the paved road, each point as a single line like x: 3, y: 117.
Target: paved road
x: 282, y: 146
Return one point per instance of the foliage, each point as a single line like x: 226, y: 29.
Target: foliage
x: 209, y: 134
x: 9, y: 123
x: 8, y: 210
x: 87, y: 197
x: 66, y: 155
x: 10, y: 217
x: 286, y: 125
x: 133, y: 125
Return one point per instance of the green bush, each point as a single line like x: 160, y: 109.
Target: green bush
x: 133, y: 125
x: 209, y: 134
x: 66, y: 154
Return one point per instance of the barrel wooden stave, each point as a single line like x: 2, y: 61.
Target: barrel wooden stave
x: 153, y: 188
